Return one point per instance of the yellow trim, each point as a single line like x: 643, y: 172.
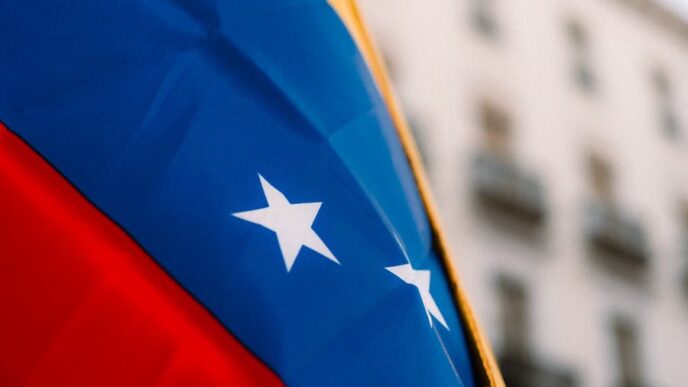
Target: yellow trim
x: 349, y: 13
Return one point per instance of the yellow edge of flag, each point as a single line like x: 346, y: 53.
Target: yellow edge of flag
x: 349, y: 13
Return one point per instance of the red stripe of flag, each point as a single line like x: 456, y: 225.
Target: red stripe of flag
x: 82, y: 304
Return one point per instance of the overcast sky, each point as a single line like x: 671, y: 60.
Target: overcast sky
x: 681, y: 6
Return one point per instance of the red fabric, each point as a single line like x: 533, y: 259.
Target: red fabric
x: 82, y: 304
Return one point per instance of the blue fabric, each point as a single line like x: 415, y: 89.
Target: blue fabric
x: 163, y: 113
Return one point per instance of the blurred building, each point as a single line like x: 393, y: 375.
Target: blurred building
x: 556, y: 137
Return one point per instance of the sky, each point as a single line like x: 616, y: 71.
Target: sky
x: 681, y: 6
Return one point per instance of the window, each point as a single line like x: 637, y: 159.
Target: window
x: 684, y: 245
x: 665, y: 106
x: 509, y: 193
x: 683, y: 235
x: 496, y: 128
x: 390, y: 62
x: 582, y: 72
x: 420, y: 135
x: 514, y: 316
x: 601, y: 176
x: 627, y: 354
x: 683, y: 230
x: 483, y: 17
x: 615, y: 239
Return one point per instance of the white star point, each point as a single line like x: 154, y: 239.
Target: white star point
x: 421, y: 280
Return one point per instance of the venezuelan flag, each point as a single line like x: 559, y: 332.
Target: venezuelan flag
x: 216, y: 193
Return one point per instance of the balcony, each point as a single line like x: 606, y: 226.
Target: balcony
x: 615, y: 238
x: 523, y: 371
x: 626, y: 384
x: 503, y: 189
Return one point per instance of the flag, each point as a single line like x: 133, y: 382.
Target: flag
x: 216, y: 192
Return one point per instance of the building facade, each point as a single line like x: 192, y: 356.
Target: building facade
x: 555, y: 134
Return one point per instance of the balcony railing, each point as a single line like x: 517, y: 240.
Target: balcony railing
x: 615, y: 236
x: 519, y: 371
x: 500, y: 186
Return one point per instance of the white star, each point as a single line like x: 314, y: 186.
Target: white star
x: 291, y: 222
x: 421, y: 280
